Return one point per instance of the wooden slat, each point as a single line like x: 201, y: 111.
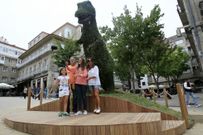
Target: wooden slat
x: 173, y: 127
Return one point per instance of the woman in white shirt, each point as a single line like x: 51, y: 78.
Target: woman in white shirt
x: 94, y: 83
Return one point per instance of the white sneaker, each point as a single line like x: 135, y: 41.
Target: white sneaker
x: 85, y: 112
x: 95, y: 110
x: 198, y: 105
x: 78, y: 113
x: 98, y: 111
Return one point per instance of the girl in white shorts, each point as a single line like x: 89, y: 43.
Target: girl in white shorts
x: 94, y: 83
x: 63, y: 91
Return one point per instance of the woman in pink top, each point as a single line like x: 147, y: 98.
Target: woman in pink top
x: 81, y: 87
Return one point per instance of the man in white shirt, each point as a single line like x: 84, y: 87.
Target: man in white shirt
x: 189, y: 92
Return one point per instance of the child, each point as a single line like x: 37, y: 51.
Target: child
x: 63, y: 91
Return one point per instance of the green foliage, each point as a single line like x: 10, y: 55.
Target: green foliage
x: 64, y: 51
x: 174, y: 64
x: 138, y: 44
x: 142, y: 102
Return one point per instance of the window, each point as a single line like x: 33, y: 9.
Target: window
x: 2, y: 58
x: 45, y: 63
x: 26, y: 71
x: 12, y: 79
x: 5, y: 68
x: 9, y: 60
x: 179, y: 42
x: 14, y: 70
x: 66, y: 33
x: 39, y: 66
x: 60, y: 34
x: 201, y: 7
x: 143, y: 83
x: 30, y: 69
x: 5, y: 50
x: 34, y: 69
x: 4, y: 78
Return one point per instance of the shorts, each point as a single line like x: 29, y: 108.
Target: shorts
x: 64, y: 92
x: 92, y: 87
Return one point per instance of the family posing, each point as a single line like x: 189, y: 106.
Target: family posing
x: 76, y: 78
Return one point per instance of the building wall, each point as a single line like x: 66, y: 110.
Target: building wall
x: 69, y: 31
x: 38, y: 64
x: 37, y: 68
x: 37, y: 39
x: 195, y: 24
x: 8, y: 62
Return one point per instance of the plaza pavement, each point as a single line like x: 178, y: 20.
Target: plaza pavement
x: 12, y: 105
x: 195, y: 113
x: 18, y: 104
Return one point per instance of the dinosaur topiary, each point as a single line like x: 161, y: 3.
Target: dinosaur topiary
x: 93, y: 44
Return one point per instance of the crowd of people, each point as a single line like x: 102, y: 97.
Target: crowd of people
x: 75, y: 79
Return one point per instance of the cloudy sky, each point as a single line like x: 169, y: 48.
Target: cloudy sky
x: 22, y: 20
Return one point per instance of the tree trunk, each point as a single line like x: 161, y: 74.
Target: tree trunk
x: 133, y: 79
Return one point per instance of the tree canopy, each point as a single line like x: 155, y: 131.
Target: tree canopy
x: 65, y: 50
x: 139, y: 43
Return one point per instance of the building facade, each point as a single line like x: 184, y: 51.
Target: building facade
x: 37, y: 68
x: 191, y: 15
x: 8, y: 61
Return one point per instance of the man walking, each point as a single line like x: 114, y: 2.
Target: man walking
x: 189, y: 92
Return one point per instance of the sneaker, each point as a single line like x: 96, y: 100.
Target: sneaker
x: 198, y: 105
x: 65, y: 114
x: 188, y: 106
x: 98, y: 111
x: 85, y: 112
x: 95, y: 110
x: 60, y: 114
x: 78, y: 113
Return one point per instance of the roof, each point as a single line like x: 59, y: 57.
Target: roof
x: 67, y: 23
x: 42, y: 41
x: 38, y: 35
x: 13, y: 46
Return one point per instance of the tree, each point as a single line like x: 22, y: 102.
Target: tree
x: 175, y: 64
x: 137, y: 41
x: 140, y: 44
x: 122, y: 40
x: 65, y: 49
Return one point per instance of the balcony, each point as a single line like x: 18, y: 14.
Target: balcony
x: 34, y: 57
x: 32, y: 73
x: 2, y: 61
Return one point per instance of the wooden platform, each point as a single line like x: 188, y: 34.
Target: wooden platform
x: 118, y: 117
x: 48, y: 123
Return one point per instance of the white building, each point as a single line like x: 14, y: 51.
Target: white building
x: 8, y: 61
x: 37, y: 67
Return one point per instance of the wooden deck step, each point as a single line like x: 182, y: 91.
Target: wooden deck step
x: 48, y: 123
x: 173, y: 127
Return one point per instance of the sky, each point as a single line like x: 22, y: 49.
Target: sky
x: 22, y: 20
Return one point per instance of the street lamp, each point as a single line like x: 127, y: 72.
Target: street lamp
x: 178, y: 30
x: 53, y: 47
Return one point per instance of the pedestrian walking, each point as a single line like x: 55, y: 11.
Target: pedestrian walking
x: 189, y: 91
